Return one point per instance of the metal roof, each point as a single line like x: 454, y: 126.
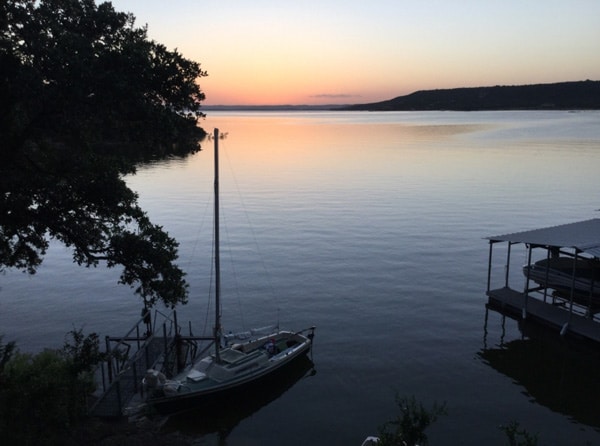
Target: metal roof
x: 583, y: 236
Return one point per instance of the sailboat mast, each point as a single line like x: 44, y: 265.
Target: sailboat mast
x: 217, y: 328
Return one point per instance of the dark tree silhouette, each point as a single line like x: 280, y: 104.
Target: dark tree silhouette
x: 85, y: 96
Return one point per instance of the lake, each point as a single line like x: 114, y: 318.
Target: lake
x: 370, y: 226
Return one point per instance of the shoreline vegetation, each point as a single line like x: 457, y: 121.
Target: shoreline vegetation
x: 44, y: 399
x: 578, y: 95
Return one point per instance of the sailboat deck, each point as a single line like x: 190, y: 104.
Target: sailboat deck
x: 231, y: 356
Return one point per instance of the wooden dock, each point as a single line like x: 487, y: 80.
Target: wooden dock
x: 543, y: 300
x: 155, y: 343
x: 556, y: 316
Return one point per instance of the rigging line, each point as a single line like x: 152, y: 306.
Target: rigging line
x: 253, y: 234
x: 193, y: 254
x: 199, y: 230
x: 210, y: 288
x: 225, y: 226
x: 228, y: 246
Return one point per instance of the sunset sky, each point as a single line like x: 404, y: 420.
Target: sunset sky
x: 347, y: 51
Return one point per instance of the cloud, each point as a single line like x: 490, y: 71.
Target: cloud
x: 334, y: 96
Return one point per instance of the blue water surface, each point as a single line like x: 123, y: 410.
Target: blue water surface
x: 370, y: 226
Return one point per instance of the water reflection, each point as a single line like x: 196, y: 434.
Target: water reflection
x: 555, y: 372
x: 222, y: 416
x: 274, y: 142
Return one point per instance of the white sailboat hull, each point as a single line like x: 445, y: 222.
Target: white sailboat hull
x: 241, y: 365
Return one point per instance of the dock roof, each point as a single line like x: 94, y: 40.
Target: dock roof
x: 583, y: 236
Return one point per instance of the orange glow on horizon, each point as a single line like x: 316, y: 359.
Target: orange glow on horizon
x: 334, y: 52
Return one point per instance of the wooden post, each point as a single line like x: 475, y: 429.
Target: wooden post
x: 547, y: 273
x: 507, y: 272
x: 526, y: 292
x: 573, y: 286
x: 489, y: 275
x: 109, y: 359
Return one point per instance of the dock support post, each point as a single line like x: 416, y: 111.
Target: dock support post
x: 166, y: 340
x: 547, y: 273
x: 489, y: 275
x: 507, y: 272
x: 119, y: 401
x: 526, y: 292
x: 573, y: 286
x: 109, y: 359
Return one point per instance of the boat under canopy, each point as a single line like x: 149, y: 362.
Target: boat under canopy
x: 569, y: 277
x: 562, y: 285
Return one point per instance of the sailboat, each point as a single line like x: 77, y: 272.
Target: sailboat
x: 233, y: 364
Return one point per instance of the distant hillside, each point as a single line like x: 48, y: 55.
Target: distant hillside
x: 583, y: 95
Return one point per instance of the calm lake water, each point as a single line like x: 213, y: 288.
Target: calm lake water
x: 369, y: 226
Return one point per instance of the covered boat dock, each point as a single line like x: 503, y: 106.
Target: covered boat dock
x: 567, y: 301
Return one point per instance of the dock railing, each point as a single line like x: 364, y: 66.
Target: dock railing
x: 119, y: 377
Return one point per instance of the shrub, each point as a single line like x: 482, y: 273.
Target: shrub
x: 43, y: 395
x: 517, y: 436
x: 408, y: 429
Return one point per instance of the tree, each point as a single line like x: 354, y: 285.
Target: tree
x: 85, y: 96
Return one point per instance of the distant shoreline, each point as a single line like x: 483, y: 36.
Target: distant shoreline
x: 274, y: 107
x: 578, y: 95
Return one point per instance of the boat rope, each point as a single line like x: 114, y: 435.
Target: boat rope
x: 256, y: 245
x: 233, y: 270
x: 200, y: 229
x: 207, y: 316
x: 193, y: 255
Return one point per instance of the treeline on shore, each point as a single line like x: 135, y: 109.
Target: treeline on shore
x: 581, y: 95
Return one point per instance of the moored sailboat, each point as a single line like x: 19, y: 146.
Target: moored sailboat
x: 231, y: 364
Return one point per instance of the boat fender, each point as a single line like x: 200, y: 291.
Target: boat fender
x: 564, y: 329
x: 171, y: 387
x: 154, y: 379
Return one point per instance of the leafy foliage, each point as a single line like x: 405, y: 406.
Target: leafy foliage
x: 6, y: 352
x: 85, y: 96
x: 83, y: 354
x: 43, y: 395
x: 408, y: 429
x: 517, y: 436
